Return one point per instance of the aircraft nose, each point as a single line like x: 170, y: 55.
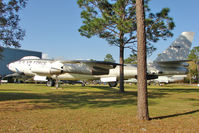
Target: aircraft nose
x: 7, y: 65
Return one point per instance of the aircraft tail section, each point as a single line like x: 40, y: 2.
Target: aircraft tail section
x: 178, y: 50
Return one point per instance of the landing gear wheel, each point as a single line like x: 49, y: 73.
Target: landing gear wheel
x: 112, y: 84
x: 83, y: 84
x: 50, y: 83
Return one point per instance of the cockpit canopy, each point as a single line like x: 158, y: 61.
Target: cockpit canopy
x: 29, y: 57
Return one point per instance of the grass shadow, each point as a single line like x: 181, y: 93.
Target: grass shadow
x: 76, y: 100
x: 178, y: 90
x: 175, y: 115
x: 91, y: 96
x: 73, y: 100
x: 103, y: 88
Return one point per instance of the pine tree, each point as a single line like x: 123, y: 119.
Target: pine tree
x: 193, y: 68
x: 142, y: 101
x: 115, y: 21
x: 10, y: 31
x: 132, y: 59
x: 109, y: 58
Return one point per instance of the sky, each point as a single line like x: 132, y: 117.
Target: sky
x: 52, y: 28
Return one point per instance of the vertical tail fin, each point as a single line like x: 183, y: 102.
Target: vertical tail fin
x: 179, y: 49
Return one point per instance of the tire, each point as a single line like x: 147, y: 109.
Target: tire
x: 50, y: 83
x: 112, y: 84
x: 83, y: 84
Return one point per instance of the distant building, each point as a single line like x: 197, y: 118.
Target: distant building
x: 12, y: 54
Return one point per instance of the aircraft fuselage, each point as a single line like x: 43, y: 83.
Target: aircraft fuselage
x: 53, y: 69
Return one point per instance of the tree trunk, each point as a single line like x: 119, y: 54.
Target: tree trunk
x: 190, y: 82
x: 197, y: 62
x: 142, y: 101
x: 121, y: 68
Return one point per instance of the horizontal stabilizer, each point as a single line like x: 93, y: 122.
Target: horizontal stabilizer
x: 173, y: 63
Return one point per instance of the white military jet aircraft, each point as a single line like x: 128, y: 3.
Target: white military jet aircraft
x: 171, y: 62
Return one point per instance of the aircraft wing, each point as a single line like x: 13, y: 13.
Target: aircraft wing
x: 104, y: 64
x: 18, y: 76
x: 15, y: 75
x: 88, y: 67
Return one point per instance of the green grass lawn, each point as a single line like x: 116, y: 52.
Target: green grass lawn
x: 91, y: 109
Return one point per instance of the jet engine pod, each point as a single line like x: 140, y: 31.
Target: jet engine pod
x: 56, y: 68
x: 51, y: 68
x: 99, y: 71
x: 40, y: 70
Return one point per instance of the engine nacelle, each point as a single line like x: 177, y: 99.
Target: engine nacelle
x: 56, y: 68
x: 99, y: 71
x: 51, y: 68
